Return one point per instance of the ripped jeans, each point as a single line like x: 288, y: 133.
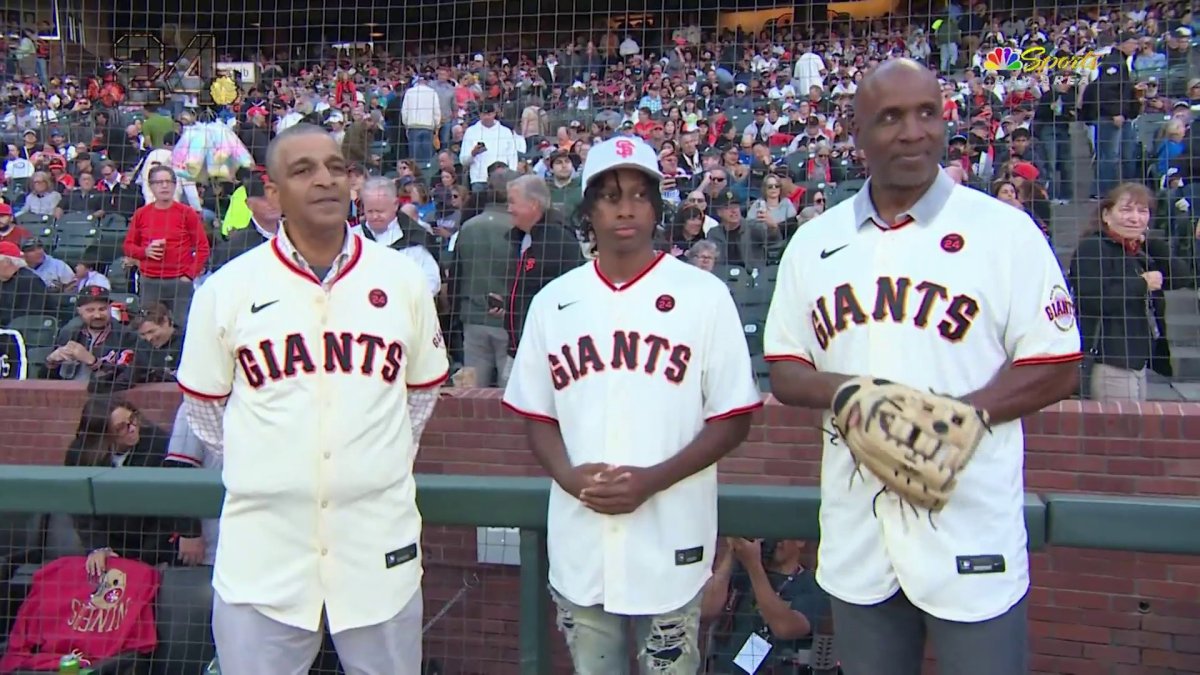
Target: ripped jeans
x: 667, y: 644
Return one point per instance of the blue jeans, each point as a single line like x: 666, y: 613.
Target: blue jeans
x: 1056, y: 143
x: 667, y: 644
x: 1115, y: 161
x: 420, y: 145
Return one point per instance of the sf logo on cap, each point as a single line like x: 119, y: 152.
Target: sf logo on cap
x: 625, y: 148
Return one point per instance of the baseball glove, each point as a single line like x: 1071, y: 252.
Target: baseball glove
x: 916, y: 443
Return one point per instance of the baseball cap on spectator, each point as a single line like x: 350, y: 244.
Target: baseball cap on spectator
x: 56, y: 133
x: 741, y: 88
x: 5, y: 209
x: 561, y: 154
x: 725, y: 198
x: 1182, y: 103
x: 958, y: 138
x: 9, y: 250
x: 575, y: 124
x: 1128, y: 36
x: 1025, y: 170
x: 31, y: 244
x: 620, y: 153
x: 29, y: 132
x: 91, y: 294
x: 760, y: 111
x: 1183, y: 31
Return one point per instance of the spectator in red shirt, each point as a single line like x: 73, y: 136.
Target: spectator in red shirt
x: 9, y: 230
x: 169, y: 243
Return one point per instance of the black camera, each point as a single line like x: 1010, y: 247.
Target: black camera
x: 768, y: 547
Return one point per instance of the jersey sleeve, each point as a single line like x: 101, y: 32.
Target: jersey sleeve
x: 530, y: 390
x: 428, y: 365
x: 207, y: 366
x: 788, y: 335
x: 729, y: 387
x: 1042, y: 326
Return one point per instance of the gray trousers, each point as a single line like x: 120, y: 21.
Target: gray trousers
x: 889, y: 639
x: 248, y: 643
x: 176, y: 294
x: 485, y: 349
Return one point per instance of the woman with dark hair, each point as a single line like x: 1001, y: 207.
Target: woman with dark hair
x: 687, y: 229
x: 112, y: 433
x: 1119, y: 273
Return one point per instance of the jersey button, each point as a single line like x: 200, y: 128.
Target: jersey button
x: 328, y: 455
x: 324, y: 503
x: 324, y: 551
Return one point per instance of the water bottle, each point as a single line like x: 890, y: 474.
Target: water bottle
x: 68, y: 665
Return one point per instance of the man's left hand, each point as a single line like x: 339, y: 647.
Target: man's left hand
x: 621, y: 489
x: 747, y: 551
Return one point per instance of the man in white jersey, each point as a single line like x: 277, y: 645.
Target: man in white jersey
x: 312, y: 364
x: 634, y: 378
x: 939, y: 287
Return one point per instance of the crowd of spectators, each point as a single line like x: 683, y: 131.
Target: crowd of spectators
x: 753, y: 131
x: 468, y: 162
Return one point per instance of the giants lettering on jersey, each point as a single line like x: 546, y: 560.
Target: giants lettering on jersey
x: 339, y: 352
x: 898, y: 299
x: 630, y: 351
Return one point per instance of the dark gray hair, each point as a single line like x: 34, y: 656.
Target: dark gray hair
x: 533, y: 187
x: 294, y: 131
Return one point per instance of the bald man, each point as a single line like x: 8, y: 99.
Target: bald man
x: 988, y: 320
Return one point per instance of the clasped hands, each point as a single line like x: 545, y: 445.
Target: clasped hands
x: 610, y: 489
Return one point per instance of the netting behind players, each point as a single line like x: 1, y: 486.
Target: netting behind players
x: 749, y: 105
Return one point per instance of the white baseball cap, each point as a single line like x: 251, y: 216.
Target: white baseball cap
x: 621, y: 152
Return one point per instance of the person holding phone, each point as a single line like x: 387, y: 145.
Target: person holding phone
x: 486, y: 142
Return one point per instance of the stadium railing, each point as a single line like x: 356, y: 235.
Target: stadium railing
x: 1149, y: 525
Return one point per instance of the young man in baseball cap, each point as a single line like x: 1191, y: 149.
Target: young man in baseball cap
x: 649, y: 384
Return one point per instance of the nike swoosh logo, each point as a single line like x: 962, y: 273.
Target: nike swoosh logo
x: 562, y: 305
x: 826, y: 254
x: 255, y: 309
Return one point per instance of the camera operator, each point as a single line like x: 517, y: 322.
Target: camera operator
x: 765, y: 605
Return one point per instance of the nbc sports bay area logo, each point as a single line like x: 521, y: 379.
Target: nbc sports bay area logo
x: 1035, y: 60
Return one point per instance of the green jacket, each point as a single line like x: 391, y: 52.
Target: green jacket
x: 565, y: 199
x: 482, y: 259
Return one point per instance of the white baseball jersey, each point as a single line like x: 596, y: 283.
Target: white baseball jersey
x: 320, y: 504
x: 957, y: 289
x: 631, y: 374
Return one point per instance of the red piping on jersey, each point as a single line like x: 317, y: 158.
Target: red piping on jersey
x: 895, y: 226
x: 658, y: 257
x: 789, y: 357
x: 1049, y: 359
x: 355, y: 254
x: 736, y: 412
x: 201, y: 395
x: 529, y: 415
x: 432, y: 383
x: 183, y: 458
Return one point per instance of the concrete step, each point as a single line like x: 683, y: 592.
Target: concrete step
x: 1186, y: 361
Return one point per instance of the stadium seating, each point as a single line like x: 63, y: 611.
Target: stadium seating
x: 38, y: 330
x: 119, y: 275
x: 76, y: 233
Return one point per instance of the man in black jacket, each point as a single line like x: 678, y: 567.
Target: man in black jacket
x: 1110, y: 104
x: 22, y: 292
x: 1052, y: 116
x: 544, y: 250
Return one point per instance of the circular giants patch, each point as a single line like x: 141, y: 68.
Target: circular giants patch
x: 1061, y: 309
x: 953, y: 243
x: 664, y: 303
x: 377, y: 297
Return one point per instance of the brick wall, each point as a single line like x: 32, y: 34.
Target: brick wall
x: 1092, y: 612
